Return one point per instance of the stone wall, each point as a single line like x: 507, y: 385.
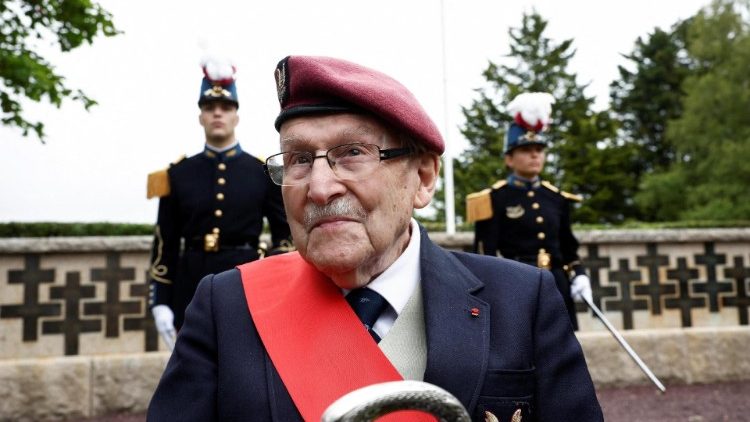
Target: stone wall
x: 76, y: 387
x: 661, y: 278
x: 87, y: 296
x: 74, y: 296
x: 74, y: 329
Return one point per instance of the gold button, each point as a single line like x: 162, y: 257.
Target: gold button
x: 530, y: 194
x: 535, y: 205
x: 541, y: 235
x: 218, y: 213
x: 222, y: 181
x: 540, y: 219
x: 222, y: 166
x: 216, y: 230
x: 220, y: 196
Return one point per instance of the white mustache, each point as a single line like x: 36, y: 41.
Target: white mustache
x: 339, y: 208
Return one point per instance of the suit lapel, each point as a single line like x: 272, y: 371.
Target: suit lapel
x: 457, y: 324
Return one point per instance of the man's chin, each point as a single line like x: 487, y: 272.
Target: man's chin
x: 335, y: 259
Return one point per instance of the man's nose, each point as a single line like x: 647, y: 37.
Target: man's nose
x: 323, y: 185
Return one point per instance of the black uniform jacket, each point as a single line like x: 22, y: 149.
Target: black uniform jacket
x: 528, y: 218
x: 224, y: 196
x: 519, y: 352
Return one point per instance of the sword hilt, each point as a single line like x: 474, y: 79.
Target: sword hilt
x: 371, y: 402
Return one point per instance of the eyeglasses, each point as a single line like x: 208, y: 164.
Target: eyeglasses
x: 348, y: 162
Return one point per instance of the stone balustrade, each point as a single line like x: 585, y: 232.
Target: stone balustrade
x: 76, y: 340
x: 87, y: 295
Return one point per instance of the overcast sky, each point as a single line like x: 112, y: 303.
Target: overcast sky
x: 147, y: 80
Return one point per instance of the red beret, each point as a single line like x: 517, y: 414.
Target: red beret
x: 309, y: 85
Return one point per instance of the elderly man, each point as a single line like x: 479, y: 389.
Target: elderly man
x: 283, y: 337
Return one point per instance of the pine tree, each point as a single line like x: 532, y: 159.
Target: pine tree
x: 646, y: 98
x: 578, y: 156
x: 711, y: 138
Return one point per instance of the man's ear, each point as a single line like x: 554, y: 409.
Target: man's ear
x: 428, y: 170
x: 200, y: 119
x: 508, y: 162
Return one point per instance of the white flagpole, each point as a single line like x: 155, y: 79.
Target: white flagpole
x: 450, y: 209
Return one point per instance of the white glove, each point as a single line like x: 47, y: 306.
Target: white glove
x: 164, y: 321
x: 580, y: 288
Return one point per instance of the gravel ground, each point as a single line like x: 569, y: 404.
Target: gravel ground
x: 685, y: 403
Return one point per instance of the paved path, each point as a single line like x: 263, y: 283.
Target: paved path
x: 684, y: 403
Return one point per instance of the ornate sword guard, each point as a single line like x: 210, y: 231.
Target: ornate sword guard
x: 371, y: 402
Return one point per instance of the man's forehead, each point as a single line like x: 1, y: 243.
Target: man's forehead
x: 210, y: 105
x: 354, y: 127
x: 530, y: 148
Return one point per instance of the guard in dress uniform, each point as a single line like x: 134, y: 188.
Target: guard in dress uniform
x: 211, y: 205
x: 525, y: 218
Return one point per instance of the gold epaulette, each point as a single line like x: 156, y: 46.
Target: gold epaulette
x: 158, y: 182
x: 479, y: 206
x: 571, y: 196
x: 499, y: 184
x: 566, y: 195
x: 550, y: 186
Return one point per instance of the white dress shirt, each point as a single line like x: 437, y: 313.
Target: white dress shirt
x: 397, y: 283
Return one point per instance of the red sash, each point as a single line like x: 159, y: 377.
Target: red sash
x: 313, y: 337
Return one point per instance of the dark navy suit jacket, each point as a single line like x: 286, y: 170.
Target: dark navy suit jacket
x: 520, y: 352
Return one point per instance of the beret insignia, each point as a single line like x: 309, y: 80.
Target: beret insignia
x: 281, y: 81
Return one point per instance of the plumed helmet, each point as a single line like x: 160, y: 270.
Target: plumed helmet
x: 218, y: 81
x: 531, y: 113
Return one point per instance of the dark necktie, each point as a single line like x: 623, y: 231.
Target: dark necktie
x: 367, y: 304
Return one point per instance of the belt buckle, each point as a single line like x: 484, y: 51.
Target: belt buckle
x: 544, y: 260
x: 211, y: 242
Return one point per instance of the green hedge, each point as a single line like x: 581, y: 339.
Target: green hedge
x: 52, y: 229
x: 440, y: 226
x: 701, y: 224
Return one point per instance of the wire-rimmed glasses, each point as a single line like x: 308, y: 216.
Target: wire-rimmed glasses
x: 348, y: 162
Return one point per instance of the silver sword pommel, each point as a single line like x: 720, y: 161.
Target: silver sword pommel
x: 371, y: 402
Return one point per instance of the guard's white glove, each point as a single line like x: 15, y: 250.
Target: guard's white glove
x: 164, y: 321
x: 580, y: 287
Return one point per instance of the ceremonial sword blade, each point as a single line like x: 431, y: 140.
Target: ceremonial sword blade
x: 620, y: 339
